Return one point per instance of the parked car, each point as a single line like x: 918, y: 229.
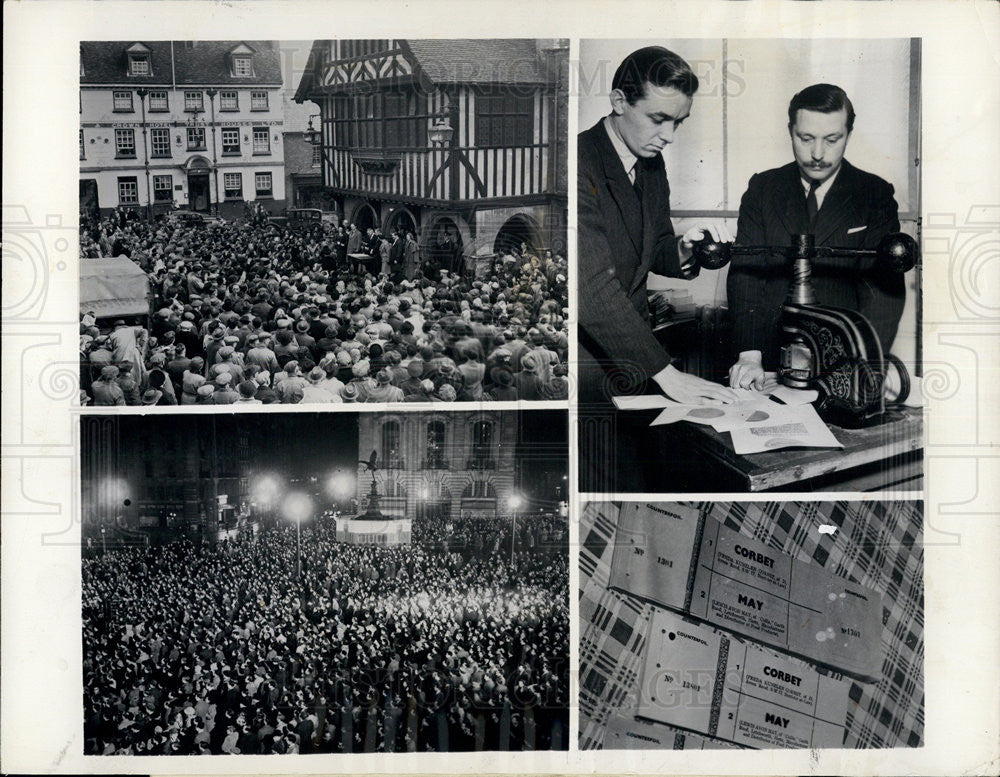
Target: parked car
x: 298, y: 218
x: 191, y: 218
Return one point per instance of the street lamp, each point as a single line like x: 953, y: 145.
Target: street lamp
x: 312, y: 135
x: 515, y: 504
x: 297, y: 507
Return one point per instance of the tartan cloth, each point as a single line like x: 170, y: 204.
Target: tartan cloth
x: 877, y: 544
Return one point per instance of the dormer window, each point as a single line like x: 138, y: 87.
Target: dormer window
x: 242, y: 66
x: 241, y: 61
x: 138, y: 65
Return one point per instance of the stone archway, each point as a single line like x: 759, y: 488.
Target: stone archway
x: 364, y: 217
x: 518, y: 229
x: 402, y: 219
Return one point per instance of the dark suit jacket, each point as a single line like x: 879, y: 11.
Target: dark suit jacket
x: 858, y: 210
x: 619, y: 245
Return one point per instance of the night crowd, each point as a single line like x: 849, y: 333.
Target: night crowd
x: 218, y: 648
x: 252, y: 312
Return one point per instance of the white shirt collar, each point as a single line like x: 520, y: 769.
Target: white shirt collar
x: 628, y: 159
x: 822, y: 189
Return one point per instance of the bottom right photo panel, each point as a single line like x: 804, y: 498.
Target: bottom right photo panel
x: 792, y: 624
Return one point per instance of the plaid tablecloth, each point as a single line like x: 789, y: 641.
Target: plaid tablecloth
x: 877, y: 544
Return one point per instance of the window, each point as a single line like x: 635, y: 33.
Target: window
x: 193, y: 101
x: 163, y: 188
x: 262, y: 183
x: 258, y: 101
x: 504, y: 118
x: 83, y: 154
x: 230, y: 140
x: 229, y: 101
x: 122, y: 102
x: 158, y: 102
x: 196, y: 138
x: 435, y: 446
x: 482, y: 446
x: 242, y: 67
x: 125, y: 143
x: 233, y: 183
x: 261, y: 140
x: 391, y: 454
x: 160, y: 141
x: 317, y: 156
x: 138, y: 65
x: 128, y: 191
x: 381, y: 120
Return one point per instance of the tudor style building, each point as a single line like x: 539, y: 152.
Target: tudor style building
x: 465, y: 140
x: 452, y: 465
x: 197, y: 124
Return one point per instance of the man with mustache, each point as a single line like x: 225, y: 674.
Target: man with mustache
x: 823, y: 194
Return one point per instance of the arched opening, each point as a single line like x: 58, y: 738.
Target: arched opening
x: 403, y: 221
x: 391, y: 453
x: 515, y: 231
x: 445, y: 247
x: 364, y: 217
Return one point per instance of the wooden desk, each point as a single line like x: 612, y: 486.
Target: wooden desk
x: 889, y: 455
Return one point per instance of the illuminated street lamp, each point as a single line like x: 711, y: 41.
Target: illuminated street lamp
x: 515, y: 504
x: 297, y: 507
x: 340, y: 486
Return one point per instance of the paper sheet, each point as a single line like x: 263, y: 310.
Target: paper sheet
x: 797, y: 427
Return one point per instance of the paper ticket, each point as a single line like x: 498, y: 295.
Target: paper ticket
x: 700, y: 679
x: 669, y: 554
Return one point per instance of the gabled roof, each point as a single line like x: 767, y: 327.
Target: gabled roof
x: 458, y: 61
x: 204, y: 62
x: 480, y: 61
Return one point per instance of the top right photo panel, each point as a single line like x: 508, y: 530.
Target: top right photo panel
x: 749, y: 253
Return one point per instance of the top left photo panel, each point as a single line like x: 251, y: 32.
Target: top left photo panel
x: 328, y: 221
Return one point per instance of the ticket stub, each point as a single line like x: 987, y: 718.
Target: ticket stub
x: 654, y: 548
x: 669, y: 554
x: 697, y: 678
x: 743, y: 585
x: 627, y: 732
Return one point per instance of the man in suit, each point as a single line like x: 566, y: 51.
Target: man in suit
x: 823, y: 194
x: 625, y: 232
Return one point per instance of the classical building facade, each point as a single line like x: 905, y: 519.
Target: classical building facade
x: 464, y: 141
x: 196, y: 124
x: 452, y: 465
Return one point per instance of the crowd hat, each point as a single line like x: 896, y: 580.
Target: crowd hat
x: 384, y: 378
x: 109, y: 372
x: 151, y: 396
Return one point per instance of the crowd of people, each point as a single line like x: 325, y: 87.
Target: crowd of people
x: 222, y: 648
x: 251, y: 312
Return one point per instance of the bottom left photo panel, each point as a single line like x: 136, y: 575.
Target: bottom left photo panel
x: 270, y: 583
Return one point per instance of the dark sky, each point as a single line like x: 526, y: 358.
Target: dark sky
x: 305, y: 444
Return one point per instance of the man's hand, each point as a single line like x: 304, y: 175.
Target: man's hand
x: 689, y: 390
x: 748, y: 372
x: 718, y: 232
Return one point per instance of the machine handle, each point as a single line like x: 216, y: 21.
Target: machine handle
x: 897, y: 250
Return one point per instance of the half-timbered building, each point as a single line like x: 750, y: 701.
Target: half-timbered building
x: 463, y: 140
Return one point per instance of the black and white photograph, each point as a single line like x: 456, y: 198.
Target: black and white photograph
x: 325, y: 583
x: 753, y: 324
x: 323, y: 221
x: 760, y: 625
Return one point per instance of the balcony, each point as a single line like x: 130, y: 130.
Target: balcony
x: 481, y: 462
x: 435, y: 462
